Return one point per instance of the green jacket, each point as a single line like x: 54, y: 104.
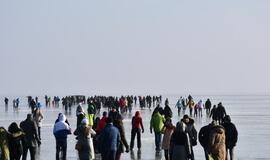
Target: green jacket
x: 157, y: 122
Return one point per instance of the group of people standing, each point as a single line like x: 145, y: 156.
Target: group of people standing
x: 177, y: 140
x: 15, y: 102
x: 106, y: 134
x: 195, y: 109
x: 19, y: 139
x: 219, y: 139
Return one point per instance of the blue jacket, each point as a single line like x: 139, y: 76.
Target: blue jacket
x: 61, y: 129
x: 109, y: 139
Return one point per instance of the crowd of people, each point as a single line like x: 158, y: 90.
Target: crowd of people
x: 106, y: 135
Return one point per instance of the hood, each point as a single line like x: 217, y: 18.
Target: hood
x: 157, y: 114
x: 181, y: 127
x: 13, y: 128
x: 219, y: 129
x: 62, y: 118
x: 84, y: 122
x: 191, y: 121
x: 79, y: 110
x: 138, y: 114
x: 168, y: 124
x: 2, y: 130
x: 105, y: 114
x: 227, y: 119
x: 29, y: 116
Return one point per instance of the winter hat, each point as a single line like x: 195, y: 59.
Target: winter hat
x: 227, y: 118
x: 181, y: 127
x: 38, y: 105
x: 105, y: 114
x: 185, y: 116
x: 29, y: 116
x: 109, y: 120
x: 84, y: 121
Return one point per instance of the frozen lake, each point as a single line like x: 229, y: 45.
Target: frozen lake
x: 250, y: 114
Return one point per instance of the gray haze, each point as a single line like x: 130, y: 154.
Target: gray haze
x: 121, y: 47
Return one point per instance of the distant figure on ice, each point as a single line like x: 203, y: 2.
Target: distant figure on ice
x: 33, y: 105
x: 135, y: 99
x: 46, y: 101
x: 190, y: 103
x: 6, y: 102
x: 166, y: 102
x: 16, y: 103
x: 180, y: 104
x: 221, y: 113
x: 208, y: 106
x: 213, y: 113
x: 91, y: 112
x: 38, y: 117
x: 200, y: 107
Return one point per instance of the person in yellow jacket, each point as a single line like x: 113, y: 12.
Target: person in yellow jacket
x: 190, y: 104
x: 6, y: 141
x: 91, y: 113
x: 4, y: 151
x: 157, y: 123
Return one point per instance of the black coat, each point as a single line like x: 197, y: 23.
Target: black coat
x: 220, y: 111
x: 191, y: 130
x: 213, y: 113
x: 118, y: 124
x: 204, y: 136
x: 208, y: 104
x: 29, y: 127
x: 15, y: 144
x: 231, y: 134
x: 167, y: 112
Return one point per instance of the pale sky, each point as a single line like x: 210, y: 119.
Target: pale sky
x: 142, y: 46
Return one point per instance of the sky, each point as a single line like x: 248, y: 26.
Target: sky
x: 134, y: 47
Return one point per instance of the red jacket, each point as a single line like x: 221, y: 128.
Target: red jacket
x: 101, y: 124
x: 137, y: 121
